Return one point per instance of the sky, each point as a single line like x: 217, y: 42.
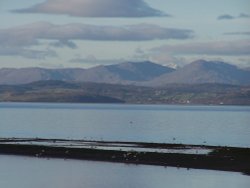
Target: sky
x: 87, y: 33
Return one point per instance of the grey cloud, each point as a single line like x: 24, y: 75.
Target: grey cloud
x: 225, y: 48
x: 92, y: 60
x: 27, y: 53
x: 18, y: 39
x: 237, y: 33
x: 23, y: 36
x: 230, y: 17
x: 64, y: 43
x: 89, y: 58
x: 225, y: 17
x: 16, y: 42
x: 37, y: 54
x: 28, y: 35
x: 243, y: 15
x: 95, y: 8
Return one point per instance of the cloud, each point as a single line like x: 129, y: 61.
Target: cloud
x: 63, y: 43
x: 222, y: 48
x: 92, y: 60
x: 244, y: 62
x: 20, y: 39
x: 29, y: 35
x: 95, y: 8
x: 225, y: 17
x: 27, y: 53
x: 230, y: 17
x: 238, y: 33
x: 243, y: 15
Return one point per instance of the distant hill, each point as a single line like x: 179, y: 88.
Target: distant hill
x: 134, y: 73
x: 202, y: 71
x: 27, y: 75
x: 247, y: 68
x: 124, y: 73
x: 139, y: 71
x: 60, y: 91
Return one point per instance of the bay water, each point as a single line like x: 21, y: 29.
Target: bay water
x: 208, y: 125
x: 25, y: 172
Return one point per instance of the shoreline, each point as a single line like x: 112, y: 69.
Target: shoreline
x: 173, y: 155
x: 85, y: 92
x: 126, y: 103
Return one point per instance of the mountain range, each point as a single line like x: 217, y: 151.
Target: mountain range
x: 134, y: 73
x: 201, y: 71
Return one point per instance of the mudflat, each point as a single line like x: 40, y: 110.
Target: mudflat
x: 176, y: 155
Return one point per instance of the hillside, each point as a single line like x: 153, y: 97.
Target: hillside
x: 13, y: 76
x: 124, y: 73
x: 204, y: 72
x: 134, y: 73
x: 139, y: 71
x: 59, y: 91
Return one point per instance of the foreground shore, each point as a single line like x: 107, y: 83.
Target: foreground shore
x: 175, y: 155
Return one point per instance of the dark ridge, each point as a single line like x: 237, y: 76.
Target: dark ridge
x: 60, y: 91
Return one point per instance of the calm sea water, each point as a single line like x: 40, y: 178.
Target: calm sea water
x: 24, y: 172
x: 211, y: 125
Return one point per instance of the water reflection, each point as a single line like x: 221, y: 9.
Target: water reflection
x: 25, y: 172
